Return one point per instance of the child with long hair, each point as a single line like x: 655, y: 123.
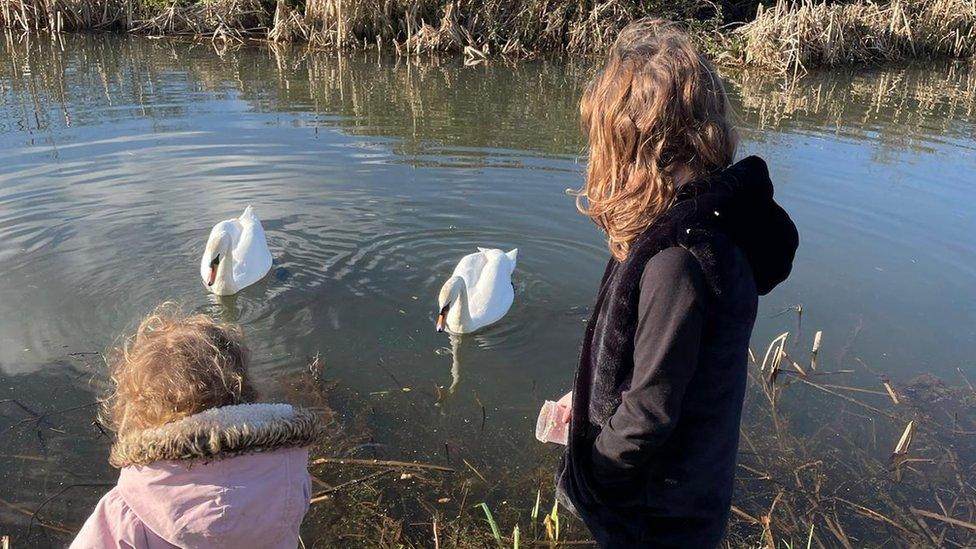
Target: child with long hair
x: 202, y: 464
x: 694, y: 239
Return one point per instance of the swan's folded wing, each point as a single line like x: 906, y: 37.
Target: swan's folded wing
x: 470, y: 268
x: 490, y: 293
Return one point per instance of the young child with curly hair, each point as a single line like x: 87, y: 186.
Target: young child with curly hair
x: 201, y: 463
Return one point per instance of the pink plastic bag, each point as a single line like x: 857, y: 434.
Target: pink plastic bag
x: 550, y: 427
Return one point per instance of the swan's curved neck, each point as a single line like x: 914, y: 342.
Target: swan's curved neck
x: 459, y: 314
x: 225, y: 271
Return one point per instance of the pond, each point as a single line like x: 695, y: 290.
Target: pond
x: 373, y: 176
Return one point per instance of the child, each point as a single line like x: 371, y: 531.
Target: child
x: 655, y: 407
x: 201, y: 464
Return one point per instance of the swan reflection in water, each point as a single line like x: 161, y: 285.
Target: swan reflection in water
x: 455, y: 362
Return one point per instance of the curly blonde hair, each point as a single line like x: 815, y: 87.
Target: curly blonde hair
x: 175, y: 366
x: 656, y: 110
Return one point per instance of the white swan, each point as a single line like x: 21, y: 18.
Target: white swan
x: 479, y: 292
x: 236, y: 256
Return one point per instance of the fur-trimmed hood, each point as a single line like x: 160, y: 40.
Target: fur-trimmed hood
x: 219, y: 433
x: 235, y: 476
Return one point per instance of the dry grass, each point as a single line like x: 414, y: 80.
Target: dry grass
x: 845, y: 465
x: 216, y: 19
x: 794, y: 36
x: 477, y: 28
x: 66, y: 15
x: 790, y: 37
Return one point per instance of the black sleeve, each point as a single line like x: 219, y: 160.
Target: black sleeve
x: 669, y: 326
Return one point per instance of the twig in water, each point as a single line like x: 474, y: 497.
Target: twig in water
x: 742, y: 514
x: 28, y: 513
x: 847, y: 398
x: 816, y: 349
x: 325, y: 494
x: 943, y: 518
x: 43, y: 416
x: 437, y: 541
x: 384, y: 463
x: 482, y: 477
x: 888, y: 388
x: 874, y: 515
x: 37, y: 510
x: 389, y: 373
x: 900, y: 453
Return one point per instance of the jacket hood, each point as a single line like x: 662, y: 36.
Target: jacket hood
x: 251, y: 489
x: 219, y: 433
x: 739, y: 201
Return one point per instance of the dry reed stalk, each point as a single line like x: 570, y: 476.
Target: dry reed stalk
x: 288, y: 26
x: 890, y: 390
x: 816, y: 349
x: 383, y: 463
x: 943, y: 518
x: 793, y: 36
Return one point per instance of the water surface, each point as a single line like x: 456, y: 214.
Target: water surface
x: 373, y: 177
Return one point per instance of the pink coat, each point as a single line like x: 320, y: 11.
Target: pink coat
x: 256, y: 500
x: 250, y: 500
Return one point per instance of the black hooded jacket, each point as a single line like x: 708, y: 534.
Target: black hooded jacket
x: 662, y: 373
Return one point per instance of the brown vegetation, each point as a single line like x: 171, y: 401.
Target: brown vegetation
x: 794, y: 36
x: 513, y: 27
x: 790, y: 36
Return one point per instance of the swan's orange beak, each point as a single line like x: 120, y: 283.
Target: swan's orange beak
x: 441, y: 323
x: 213, y: 270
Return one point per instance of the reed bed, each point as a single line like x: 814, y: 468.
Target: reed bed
x: 227, y: 20
x: 477, y: 29
x: 830, y: 463
x: 792, y: 37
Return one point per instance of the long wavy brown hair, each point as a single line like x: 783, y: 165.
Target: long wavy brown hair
x: 655, y: 116
x: 175, y: 366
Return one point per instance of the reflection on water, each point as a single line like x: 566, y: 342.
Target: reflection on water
x: 373, y: 176
x: 896, y: 107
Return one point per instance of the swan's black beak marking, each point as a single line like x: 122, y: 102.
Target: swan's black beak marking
x: 213, y: 270
x: 441, y: 323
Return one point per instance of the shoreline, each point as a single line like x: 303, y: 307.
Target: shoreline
x: 789, y: 37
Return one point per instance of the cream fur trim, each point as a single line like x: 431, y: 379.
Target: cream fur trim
x: 219, y: 433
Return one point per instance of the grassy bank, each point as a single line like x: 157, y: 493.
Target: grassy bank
x: 789, y: 36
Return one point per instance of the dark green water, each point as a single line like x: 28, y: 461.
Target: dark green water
x: 373, y: 177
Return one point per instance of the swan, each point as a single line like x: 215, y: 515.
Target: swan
x: 479, y: 292
x: 236, y: 255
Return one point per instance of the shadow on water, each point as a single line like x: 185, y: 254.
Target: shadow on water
x: 373, y: 176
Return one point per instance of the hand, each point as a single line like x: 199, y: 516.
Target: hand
x: 565, y: 407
